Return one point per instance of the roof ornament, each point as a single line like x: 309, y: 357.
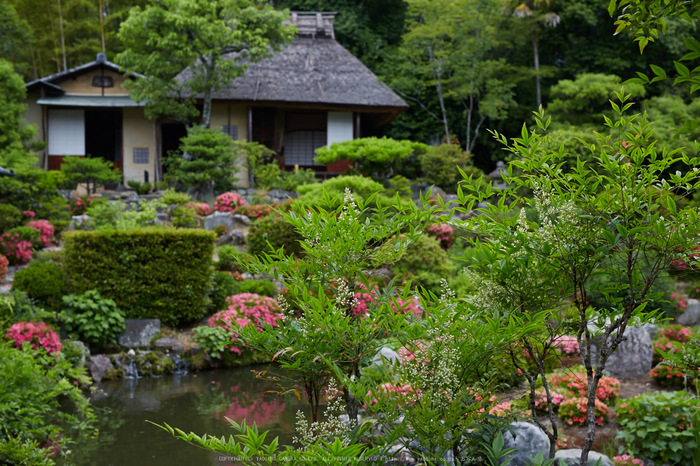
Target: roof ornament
x: 314, y: 23
x: 101, y: 57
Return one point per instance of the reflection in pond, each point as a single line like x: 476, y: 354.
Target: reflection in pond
x: 192, y: 402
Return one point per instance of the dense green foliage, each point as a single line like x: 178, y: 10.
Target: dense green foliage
x: 43, y: 282
x: 91, y: 171
x: 207, y: 163
x: 330, y: 193
x: 210, y: 40
x: 441, y: 166
x: 92, y: 318
x: 660, y: 426
x: 40, y: 403
x: 10, y: 217
x: 150, y: 273
x: 424, y: 264
x: 271, y: 233
x: 373, y: 156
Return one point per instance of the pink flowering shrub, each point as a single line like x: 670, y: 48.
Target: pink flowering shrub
x: 567, y: 345
x: 541, y: 400
x: 677, y: 333
x: 202, y: 208
x: 404, y: 394
x: 3, y: 267
x: 80, y: 205
x: 28, y: 213
x: 680, y: 264
x: 45, y: 229
x: 17, y: 251
x: 667, y: 376
x: 577, y: 384
x: 444, y: 233
x: 364, y: 299
x: 255, y: 211
x: 626, y: 460
x: 246, y: 309
x: 228, y: 202
x: 574, y: 411
x: 679, y: 302
x: 666, y: 346
x: 36, y: 334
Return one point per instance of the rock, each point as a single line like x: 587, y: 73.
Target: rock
x: 691, y: 315
x: 162, y: 217
x: 633, y: 358
x: 529, y: 440
x: 386, y: 354
x: 84, y: 351
x: 219, y: 218
x: 77, y: 221
x: 133, y: 197
x: 98, y: 366
x: 242, y: 219
x: 652, y: 329
x: 173, y: 344
x: 572, y: 457
x: 139, y: 332
x: 235, y: 237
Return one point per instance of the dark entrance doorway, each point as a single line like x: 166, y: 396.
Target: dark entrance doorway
x: 103, y: 135
x: 171, y: 133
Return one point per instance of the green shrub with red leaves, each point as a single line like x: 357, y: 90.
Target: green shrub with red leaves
x: 574, y: 412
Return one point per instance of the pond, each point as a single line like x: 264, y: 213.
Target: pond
x: 196, y: 402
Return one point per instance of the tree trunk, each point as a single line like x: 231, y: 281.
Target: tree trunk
x: 438, y: 86
x: 63, y: 38
x: 536, y: 53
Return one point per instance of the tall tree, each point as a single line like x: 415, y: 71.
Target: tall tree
x: 536, y: 12
x: 448, y: 66
x: 212, y: 41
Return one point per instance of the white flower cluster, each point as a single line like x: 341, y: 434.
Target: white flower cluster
x: 330, y: 429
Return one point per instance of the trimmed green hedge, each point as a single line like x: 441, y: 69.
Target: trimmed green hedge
x: 151, y: 273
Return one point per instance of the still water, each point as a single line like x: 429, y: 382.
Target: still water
x: 194, y: 402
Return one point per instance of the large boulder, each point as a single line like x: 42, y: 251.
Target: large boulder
x: 528, y: 441
x: 139, y: 332
x: 633, y: 357
x: 98, y: 366
x: 219, y: 218
x: 691, y: 315
x: 572, y: 457
x: 386, y: 354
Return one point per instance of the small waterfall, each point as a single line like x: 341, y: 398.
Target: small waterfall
x: 130, y: 368
x: 181, y: 366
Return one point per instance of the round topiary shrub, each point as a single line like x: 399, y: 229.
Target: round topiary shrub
x: 424, y: 264
x: 10, y: 217
x: 271, y: 233
x: 43, y: 282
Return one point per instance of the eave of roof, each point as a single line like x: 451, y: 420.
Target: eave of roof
x: 114, y: 101
x: 101, y: 61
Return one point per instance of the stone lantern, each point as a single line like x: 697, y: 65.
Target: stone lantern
x: 498, y: 174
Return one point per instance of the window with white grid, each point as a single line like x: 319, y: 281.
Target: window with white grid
x: 300, y: 147
x: 231, y: 130
x: 141, y: 155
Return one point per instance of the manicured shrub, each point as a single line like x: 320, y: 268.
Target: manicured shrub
x: 10, y: 217
x: 150, y: 273
x: 228, y: 202
x: 227, y: 258
x: 36, y: 335
x: 668, y: 376
x: 17, y: 250
x: 259, y: 287
x: 46, y: 231
x: 246, y: 309
x: 271, y: 233
x: 255, y: 211
x: 576, y: 384
x: 80, y: 205
x: 424, y: 264
x: 43, y: 282
x: 27, y: 234
x: 573, y: 411
x: 223, y: 285
x: 443, y: 233
x: 331, y: 193
x: 659, y: 426
x: 4, y: 263
x: 439, y: 166
x: 92, y: 318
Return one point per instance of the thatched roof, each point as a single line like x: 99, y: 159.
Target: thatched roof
x: 313, y: 71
